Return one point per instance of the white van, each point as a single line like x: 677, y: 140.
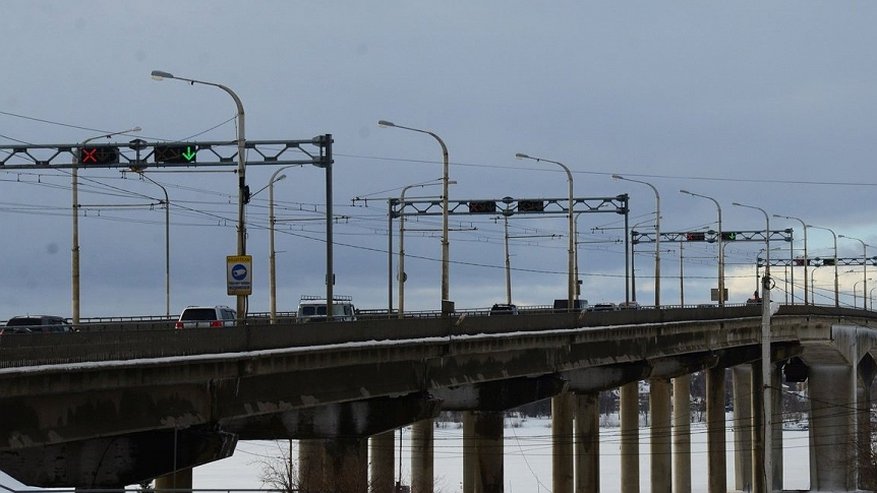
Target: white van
x: 313, y: 309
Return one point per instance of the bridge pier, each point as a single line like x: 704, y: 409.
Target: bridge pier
x: 681, y: 434
x: 383, y: 462
x: 630, y: 437
x: 715, y: 424
x: 742, y: 395
x: 179, y: 480
x: 659, y: 407
x: 587, y: 442
x: 488, y: 427
x: 866, y: 370
x: 561, y: 443
x: 832, y: 455
x: 422, y: 436
x: 776, y: 405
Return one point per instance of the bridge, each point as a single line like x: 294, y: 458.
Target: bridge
x: 109, y: 408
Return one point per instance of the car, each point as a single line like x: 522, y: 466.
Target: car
x: 605, y: 307
x: 504, y: 309
x: 313, y: 309
x: 27, y: 324
x: 195, y: 317
x: 628, y: 305
x: 580, y: 305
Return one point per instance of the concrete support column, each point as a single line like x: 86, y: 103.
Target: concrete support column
x: 311, y: 465
x: 347, y: 461
x: 587, y: 442
x: 682, y: 434
x: 867, y: 481
x: 383, y: 462
x: 562, y: 443
x: 470, y: 458
x: 743, y: 426
x: 776, y: 441
x: 832, y: 453
x: 421, y: 457
x: 715, y: 425
x: 630, y: 438
x: 661, y: 472
x: 180, y: 480
x: 757, y: 426
x: 489, y: 448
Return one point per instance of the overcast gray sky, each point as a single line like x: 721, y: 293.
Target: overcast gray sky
x: 766, y: 103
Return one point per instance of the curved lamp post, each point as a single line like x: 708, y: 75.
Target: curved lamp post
x: 657, y: 235
x: 836, y: 282
x: 806, y: 260
x: 167, y: 241
x: 74, y: 176
x: 243, y: 192
x: 571, y: 281
x: 272, y: 254
x: 864, y: 266
x: 402, y: 276
x: 721, y: 279
x: 446, y: 308
x: 766, y: 365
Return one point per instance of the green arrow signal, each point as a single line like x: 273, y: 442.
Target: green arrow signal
x: 189, y: 154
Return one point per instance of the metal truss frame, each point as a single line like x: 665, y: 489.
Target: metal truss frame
x: 712, y: 236
x: 508, y: 206
x: 140, y: 154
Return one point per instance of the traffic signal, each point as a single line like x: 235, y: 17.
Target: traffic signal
x: 98, y: 155
x: 729, y: 235
x: 531, y: 206
x: 482, y: 207
x: 800, y: 261
x: 827, y: 261
x: 175, y: 153
x: 695, y: 236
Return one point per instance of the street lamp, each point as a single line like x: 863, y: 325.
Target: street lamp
x: 806, y: 260
x: 243, y: 190
x: 571, y: 281
x: 864, y: 293
x: 167, y: 241
x: 272, y: 257
x: 864, y: 266
x: 721, y: 249
x: 766, y: 364
x: 75, y: 207
x: 871, y: 297
x: 836, y: 282
x: 657, y: 236
x: 446, y: 306
x: 402, y: 276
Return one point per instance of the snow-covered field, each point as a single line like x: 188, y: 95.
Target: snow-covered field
x: 527, y: 460
x: 527, y: 465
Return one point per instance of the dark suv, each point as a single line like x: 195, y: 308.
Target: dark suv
x: 28, y: 324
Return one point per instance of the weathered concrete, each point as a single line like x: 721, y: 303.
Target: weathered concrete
x: 661, y: 470
x: 866, y: 370
x: 777, y: 413
x: 422, y: 466
x: 180, y: 480
x: 743, y: 426
x: 715, y: 423
x: 382, y: 449
x: 682, y: 434
x: 587, y: 442
x: 629, y: 432
x: 114, y: 462
x: 470, y: 462
x: 832, y: 453
x: 489, y: 450
x: 346, y: 465
x: 562, y: 413
x: 758, y: 463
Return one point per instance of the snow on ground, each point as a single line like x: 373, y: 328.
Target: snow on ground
x: 527, y: 464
